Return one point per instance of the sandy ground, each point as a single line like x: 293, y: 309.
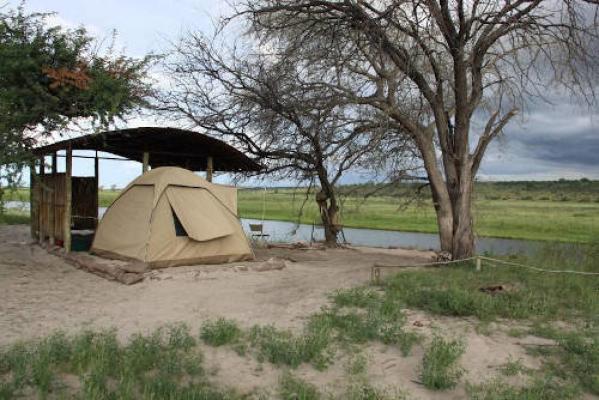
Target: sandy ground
x: 40, y: 293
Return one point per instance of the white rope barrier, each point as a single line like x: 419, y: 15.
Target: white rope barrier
x: 375, y: 272
x: 551, y: 271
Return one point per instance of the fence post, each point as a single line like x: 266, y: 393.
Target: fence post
x: 478, y: 264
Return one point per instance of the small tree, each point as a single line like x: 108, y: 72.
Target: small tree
x: 253, y: 98
x: 51, y: 76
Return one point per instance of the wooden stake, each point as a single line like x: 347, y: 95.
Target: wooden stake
x: 68, y: 206
x: 209, y: 169
x: 478, y: 264
x: 146, y: 162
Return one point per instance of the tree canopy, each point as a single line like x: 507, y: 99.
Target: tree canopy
x: 51, y: 76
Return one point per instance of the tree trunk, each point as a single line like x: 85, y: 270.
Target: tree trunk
x: 452, y: 199
x: 329, y: 216
x: 463, y: 233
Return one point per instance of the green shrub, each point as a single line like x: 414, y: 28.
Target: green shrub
x: 220, y: 332
x: 440, y: 368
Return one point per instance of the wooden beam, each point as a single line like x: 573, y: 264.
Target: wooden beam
x: 146, y: 162
x: 68, y: 206
x: 209, y: 169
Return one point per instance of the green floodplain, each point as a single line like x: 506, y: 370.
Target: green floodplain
x: 565, y: 211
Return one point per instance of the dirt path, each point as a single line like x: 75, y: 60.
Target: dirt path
x: 40, y: 293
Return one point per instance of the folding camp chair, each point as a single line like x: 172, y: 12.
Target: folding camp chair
x: 257, y: 230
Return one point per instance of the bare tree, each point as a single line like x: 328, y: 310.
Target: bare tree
x: 450, y: 73
x: 266, y: 104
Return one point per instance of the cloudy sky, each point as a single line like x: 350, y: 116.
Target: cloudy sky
x: 550, y: 142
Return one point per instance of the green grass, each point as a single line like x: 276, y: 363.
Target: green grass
x: 519, y: 219
x: 541, y: 298
x: 550, y: 211
x: 440, y: 369
x: 164, y: 364
x: 220, y: 332
x: 455, y: 291
x: 14, y: 218
x: 282, y: 347
x: 293, y: 388
x: 544, y: 388
x: 513, y: 368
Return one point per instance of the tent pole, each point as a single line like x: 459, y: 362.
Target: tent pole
x: 146, y: 162
x: 68, y: 188
x: 209, y: 169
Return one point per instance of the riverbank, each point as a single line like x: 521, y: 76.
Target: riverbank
x: 544, y: 220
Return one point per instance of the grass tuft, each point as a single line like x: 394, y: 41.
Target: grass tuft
x: 547, y: 388
x: 440, y: 369
x: 220, y: 332
x: 164, y: 364
x: 283, y: 347
x: 292, y: 388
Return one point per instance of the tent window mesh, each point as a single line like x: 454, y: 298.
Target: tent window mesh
x: 179, y: 229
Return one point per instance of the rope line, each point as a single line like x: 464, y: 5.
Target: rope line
x: 551, y: 271
x: 425, y: 264
x: 375, y: 271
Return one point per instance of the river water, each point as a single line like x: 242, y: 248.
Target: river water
x: 282, y: 231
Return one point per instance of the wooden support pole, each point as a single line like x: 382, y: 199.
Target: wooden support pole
x: 33, y: 200
x: 478, y: 264
x: 209, y: 169
x: 68, y: 189
x: 42, y: 196
x: 52, y: 208
x: 97, y: 176
x: 146, y: 162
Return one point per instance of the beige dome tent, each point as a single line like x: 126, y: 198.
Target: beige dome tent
x: 170, y: 216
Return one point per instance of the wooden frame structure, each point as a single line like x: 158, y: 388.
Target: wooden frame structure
x: 61, y: 202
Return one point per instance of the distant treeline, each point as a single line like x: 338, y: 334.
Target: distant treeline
x: 581, y: 190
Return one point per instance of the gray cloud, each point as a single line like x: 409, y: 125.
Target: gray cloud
x: 549, y: 142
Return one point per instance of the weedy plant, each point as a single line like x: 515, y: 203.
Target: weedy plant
x: 293, y: 388
x: 164, y: 364
x: 513, y: 368
x: 440, y: 369
x: 220, y: 332
x: 545, y: 388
